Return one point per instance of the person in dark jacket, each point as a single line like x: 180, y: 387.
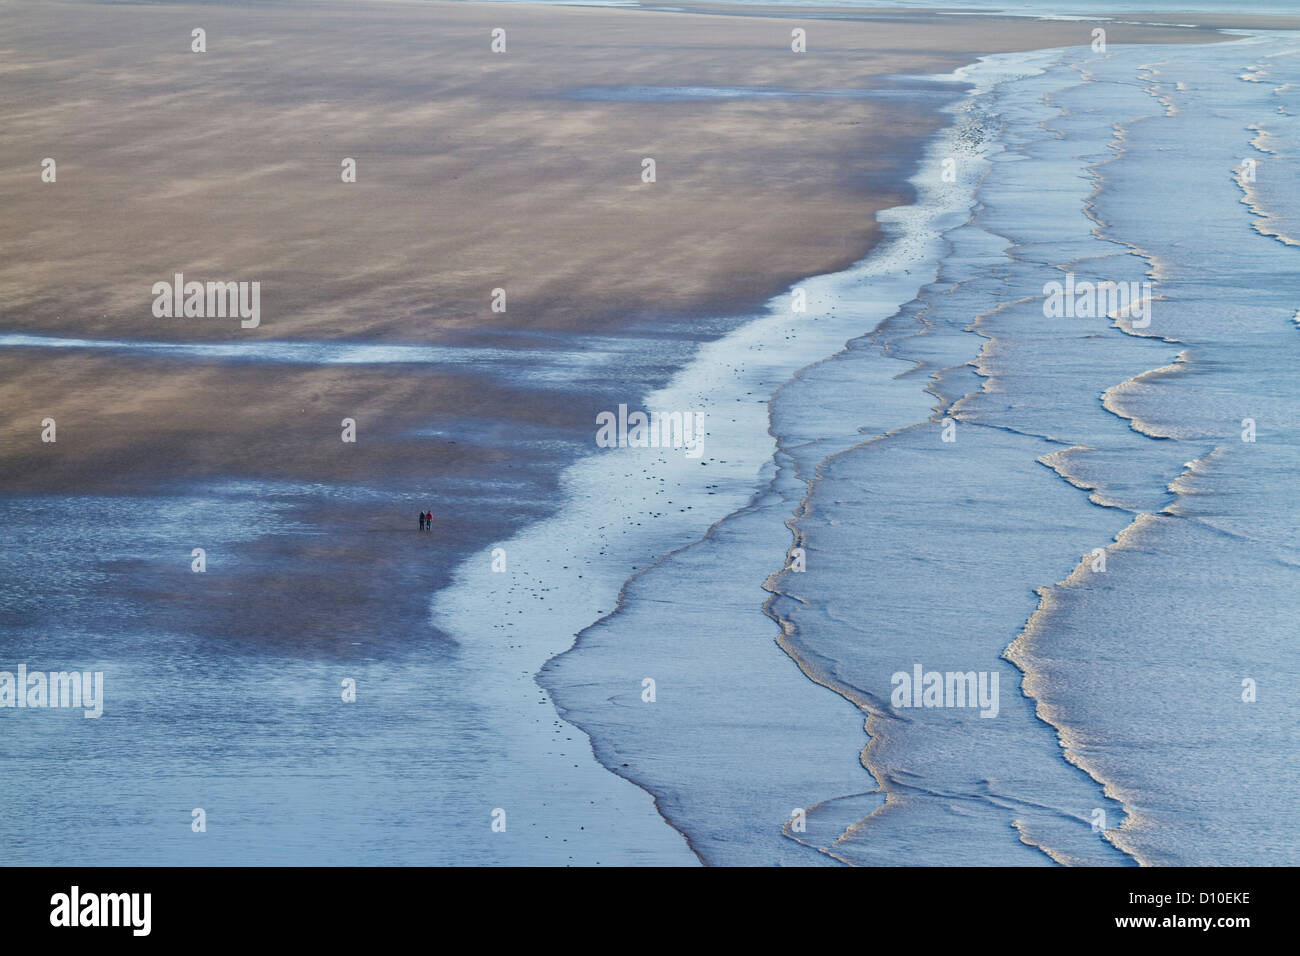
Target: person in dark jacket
x: 422, y: 520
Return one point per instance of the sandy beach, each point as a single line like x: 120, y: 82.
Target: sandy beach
x: 515, y: 179
x: 475, y: 171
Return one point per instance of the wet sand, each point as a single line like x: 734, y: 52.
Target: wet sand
x: 475, y: 171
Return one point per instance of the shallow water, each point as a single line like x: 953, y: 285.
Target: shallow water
x: 921, y: 551
x: 823, y: 429
x: 571, y: 362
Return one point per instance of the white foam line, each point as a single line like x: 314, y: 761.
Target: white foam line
x: 626, y: 507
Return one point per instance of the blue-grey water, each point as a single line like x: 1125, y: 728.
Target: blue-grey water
x: 1121, y: 734
x: 1081, y: 9
x: 1100, y: 533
